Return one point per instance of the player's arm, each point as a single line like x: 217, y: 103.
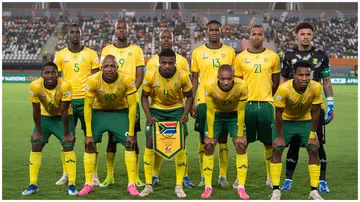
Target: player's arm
x: 95, y: 62
x: 279, y: 122
x: 285, y: 70
x: 187, y: 92
x: 89, y: 101
x: 34, y: 99
x: 275, y: 76
x: 93, y: 71
x: 241, y: 109
x: 279, y: 102
x: 59, y: 63
x: 237, y: 67
x: 36, y: 116
x: 315, y: 116
x: 140, y: 64
x: 131, y: 99
x: 65, y: 116
x: 194, y: 69
x: 146, y: 91
x: 210, y: 115
x: 328, y: 90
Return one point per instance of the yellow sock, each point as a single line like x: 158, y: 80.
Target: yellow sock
x: 157, y: 164
x: 110, y: 163
x: 180, y: 163
x: 96, y: 160
x: 267, y: 157
x: 208, y: 166
x: 201, y: 149
x: 241, y: 166
x: 89, y: 165
x: 314, y: 172
x: 130, y: 161
x: 34, y: 166
x: 223, y: 159
x: 137, y: 166
x: 187, y: 165
x: 275, y: 171
x: 70, y: 164
x: 148, y: 165
x: 63, y: 162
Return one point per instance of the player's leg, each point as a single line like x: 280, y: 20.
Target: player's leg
x: 304, y: 128
x: 292, y: 158
x: 76, y: 111
x: 323, y: 188
x: 265, y: 120
x: 275, y: 162
x: 251, y: 125
x: 241, y: 155
x: 223, y: 158
x: 180, y: 166
x: 138, y: 182
x: 99, y: 125
x: 35, y: 158
x: 110, y: 161
x: 200, y: 122
x: 149, y: 157
x: 208, y: 159
x: 69, y: 153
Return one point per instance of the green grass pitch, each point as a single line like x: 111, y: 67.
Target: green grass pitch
x: 341, y: 148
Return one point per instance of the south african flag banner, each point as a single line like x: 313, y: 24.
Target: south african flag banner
x: 168, y: 138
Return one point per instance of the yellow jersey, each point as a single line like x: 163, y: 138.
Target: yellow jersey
x: 76, y: 68
x: 206, y: 61
x: 110, y: 96
x: 297, y: 107
x: 257, y: 69
x: 226, y: 101
x: 166, y: 93
x: 50, y: 100
x: 180, y: 62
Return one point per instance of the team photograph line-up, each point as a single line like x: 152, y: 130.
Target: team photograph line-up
x: 180, y: 105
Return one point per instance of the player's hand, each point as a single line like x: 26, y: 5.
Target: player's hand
x: 193, y: 111
x: 151, y: 120
x: 184, y: 118
x: 313, y: 141
x: 89, y: 142
x: 36, y: 136
x: 329, y: 115
x: 130, y: 142
x: 69, y: 138
x: 279, y: 141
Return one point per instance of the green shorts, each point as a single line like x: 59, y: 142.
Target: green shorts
x: 259, y: 117
x: 114, y: 121
x: 224, y: 122
x: 78, y: 112
x: 165, y: 115
x: 292, y: 129
x: 137, y: 122
x: 200, y: 119
x: 54, y: 125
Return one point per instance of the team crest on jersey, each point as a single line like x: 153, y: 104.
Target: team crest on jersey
x: 223, y: 55
x: 265, y: 59
x: 130, y: 54
x: 315, y: 61
x: 84, y: 59
x: 205, y: 56
x: 293, y: 61
x: 119, y: 89
x: 176, y: 85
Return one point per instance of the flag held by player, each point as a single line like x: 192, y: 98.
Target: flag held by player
x: 168, y: 138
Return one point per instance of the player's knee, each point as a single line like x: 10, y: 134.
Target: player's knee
x: 223, y: 138
x: 37, y: 146
x: 312, y: 151
x: 90, y: 149
x: 67, y: 147
x: 209, y: 149
x: 240, y: 148
x: 277, y: 153
x: 137, y: 151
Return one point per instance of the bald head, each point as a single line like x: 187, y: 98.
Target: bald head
x: 225, y: 68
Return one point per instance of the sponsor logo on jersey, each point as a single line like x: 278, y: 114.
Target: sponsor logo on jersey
x: 293, y: 61
x: 66, y: 60
x: 247, y: 61
x: 100, y: 90
x: 205, y: 56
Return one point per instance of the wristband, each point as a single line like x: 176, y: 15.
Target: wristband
x: 312, y: 134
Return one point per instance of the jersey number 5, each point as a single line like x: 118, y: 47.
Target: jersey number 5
x: 76, y: 67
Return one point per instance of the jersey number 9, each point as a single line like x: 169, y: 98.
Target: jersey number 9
x: 122, y: 62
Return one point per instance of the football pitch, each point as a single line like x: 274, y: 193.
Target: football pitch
x: 341, y: 150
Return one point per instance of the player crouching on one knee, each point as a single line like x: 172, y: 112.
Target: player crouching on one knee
x: 225, y: 100
x: 51, y: 97
x: 297, y: 103
x: 110, y: 105
x: 167, y: 86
